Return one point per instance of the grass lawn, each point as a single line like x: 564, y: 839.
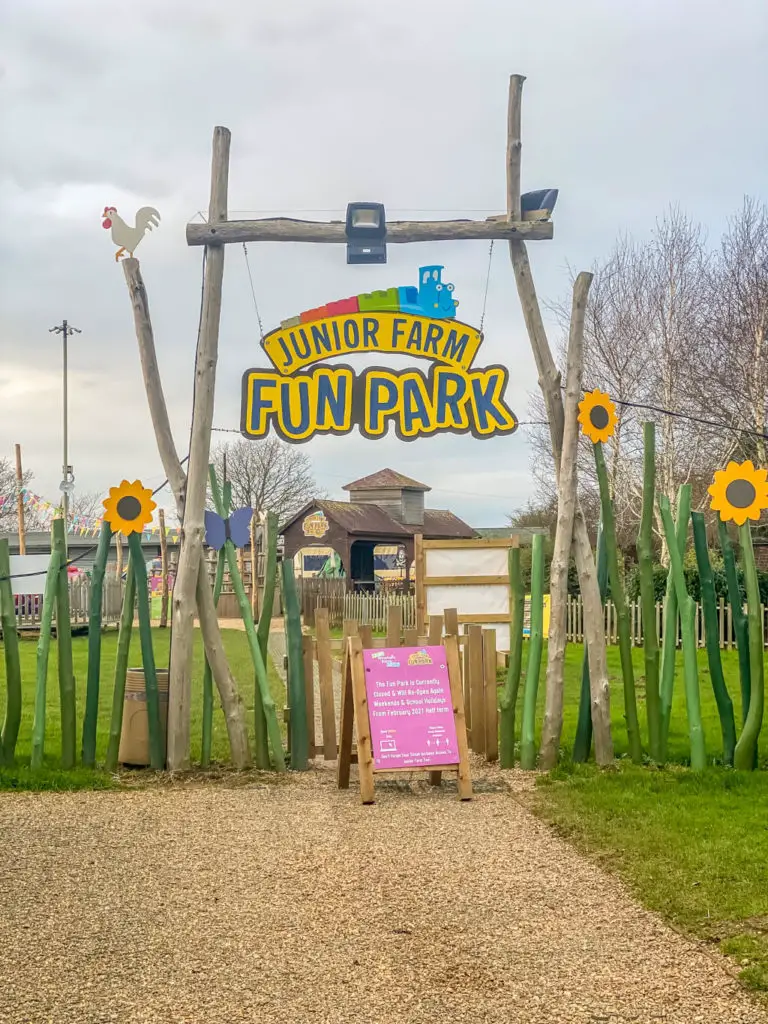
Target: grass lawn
x: 692, y: 846
x: 51, y: 777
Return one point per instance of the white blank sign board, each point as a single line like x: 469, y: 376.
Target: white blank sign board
x: 37, y: 564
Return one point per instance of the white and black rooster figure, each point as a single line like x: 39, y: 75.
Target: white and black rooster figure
x: 125, y: 236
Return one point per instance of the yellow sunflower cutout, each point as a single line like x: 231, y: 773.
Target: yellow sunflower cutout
x: 129, y: 507
x: 597, y: 416
x: 739, y: 492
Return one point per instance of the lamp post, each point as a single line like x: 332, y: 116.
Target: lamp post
x: 67, y: 484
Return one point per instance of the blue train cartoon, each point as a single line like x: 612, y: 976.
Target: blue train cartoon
x: 432, y: 298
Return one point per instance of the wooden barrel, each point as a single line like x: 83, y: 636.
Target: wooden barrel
x: 134, y: 737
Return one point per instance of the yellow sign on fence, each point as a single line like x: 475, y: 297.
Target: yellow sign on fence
x: 527, y: 617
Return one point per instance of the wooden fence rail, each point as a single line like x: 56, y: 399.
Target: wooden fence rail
x: 29, y: 607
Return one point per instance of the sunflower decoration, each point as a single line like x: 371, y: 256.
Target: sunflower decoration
x: 129, y: 507
x: 739, y: 492
x: 597, y: 416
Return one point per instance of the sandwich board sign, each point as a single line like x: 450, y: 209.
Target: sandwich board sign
x: 407, y: 708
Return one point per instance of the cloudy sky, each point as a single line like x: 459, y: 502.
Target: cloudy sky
x: 627, y: 107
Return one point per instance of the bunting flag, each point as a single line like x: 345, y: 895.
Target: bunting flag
x: 85, y: 526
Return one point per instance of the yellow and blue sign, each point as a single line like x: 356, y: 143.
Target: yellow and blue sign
x: 302, y: 396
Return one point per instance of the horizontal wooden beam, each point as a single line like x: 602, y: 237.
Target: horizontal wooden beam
x: 490, y: 617
x: 285, y: 229
x: 477, y: 542
x: 465, y: 581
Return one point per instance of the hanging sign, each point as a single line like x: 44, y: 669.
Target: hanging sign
x: 300, y: 396
x: 315, y: 525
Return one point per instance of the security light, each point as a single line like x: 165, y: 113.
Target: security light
x: 538, y: 205
x: 366, y: 233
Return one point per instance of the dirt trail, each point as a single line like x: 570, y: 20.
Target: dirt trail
x: 289, y: 901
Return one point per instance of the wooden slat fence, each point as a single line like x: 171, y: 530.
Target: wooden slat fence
x: 727, y: 637
x: 29, y: 607
x: 478, y: 673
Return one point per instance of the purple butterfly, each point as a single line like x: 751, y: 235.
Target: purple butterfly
x: 218, y: 531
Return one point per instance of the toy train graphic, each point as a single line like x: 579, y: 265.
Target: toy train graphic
x: 432, y: 298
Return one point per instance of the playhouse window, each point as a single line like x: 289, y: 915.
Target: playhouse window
x: 426, y: 277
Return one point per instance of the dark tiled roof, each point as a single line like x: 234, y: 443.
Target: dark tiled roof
x: 385, y: 478
x: 366, y: 518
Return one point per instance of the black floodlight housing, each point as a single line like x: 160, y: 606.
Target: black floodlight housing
x: 366, y: 233
x: 538, y: 205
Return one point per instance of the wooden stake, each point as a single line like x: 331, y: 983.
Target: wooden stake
x: 491, y: 696
x: 20, y: 503
x: 567, y: 497
x: 12, y: 723
x: 64, y: 644
x: 193, y: 527
x: 454, y: 675
x: 549, y: 382
x: 421, y: 601
x: 325, y: 677
x: 43, y: 651
x: 90, y: 721
x: 362, y: 722
x: 163, y: 571
x: 476, y: 688
x: 121, y: 668
x: 232, y: 704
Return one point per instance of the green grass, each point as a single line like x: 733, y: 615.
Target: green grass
x: 20, y: 776
x: 692, y: 846
x: 679, y: 750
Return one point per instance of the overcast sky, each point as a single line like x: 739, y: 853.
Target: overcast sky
x: 627, y: 107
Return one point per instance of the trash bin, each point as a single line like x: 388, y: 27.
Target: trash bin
x: 134, y: 737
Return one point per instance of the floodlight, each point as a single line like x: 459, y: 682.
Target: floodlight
x: 366, y: 232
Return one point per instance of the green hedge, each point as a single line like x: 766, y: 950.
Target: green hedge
x: 692, y: 583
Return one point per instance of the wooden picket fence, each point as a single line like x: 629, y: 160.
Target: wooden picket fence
x: 726, y: 635
x: 323, y: 658
x: 29, y: 607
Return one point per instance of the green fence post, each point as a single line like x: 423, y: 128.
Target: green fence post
x: 121, y: 667
x: 88, y: 750
x: 10, y: 731
x: 297, y: 699
x: 508, y: 702
x: 533, y: 669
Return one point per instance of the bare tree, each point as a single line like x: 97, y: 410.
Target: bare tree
x: 267, y: 476
x: 8, y: 493
x: 733, y: 382
x: 88, y: 504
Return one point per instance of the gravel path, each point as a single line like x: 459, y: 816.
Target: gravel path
x: 290, y: 902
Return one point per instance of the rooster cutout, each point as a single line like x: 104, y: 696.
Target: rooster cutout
x: 125, y: 236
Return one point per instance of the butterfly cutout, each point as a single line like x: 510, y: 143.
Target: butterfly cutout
x: 236, y: 528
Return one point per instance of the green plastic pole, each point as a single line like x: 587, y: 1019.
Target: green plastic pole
x: 533, y: 668
x: 121, y: 667
x: 508, y: 702
x: 687, y: 608
x: 740, y: 624
x: 712, y: 637
x: 64, y: 644
x: 267, y: 702
x: 43, y: 652
x: 745, y: 757
x: 622, y: 614
x: 648, y: 594
x: 297, y: 696
x: 88, y: 749
x: 671, y: 618
x: 583, y: 741
x: 205, y: 757
x: 156, y: 738
x: 270, y: 575
x: 10, y: 733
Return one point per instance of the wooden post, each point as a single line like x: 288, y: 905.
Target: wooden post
x: 435, y: 634
x: 549, y: 382
x: 232, y: 704
x: 121, y: 668
x: 163, y: 571
x: 297, y: 697
x: 193, y: 528
x: 20, y: 503
x: 567, y: 496
x: 90, y: 721
x: 491, y: 697
x: 43, y: 650
x: 356, y: 668
x: 476, y: 688
x: 12, y: 723
x: 394, y: 625
x: 421, y: 597
x: 325, y: 677
x: 64, y: 644
x: 254, y: 569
